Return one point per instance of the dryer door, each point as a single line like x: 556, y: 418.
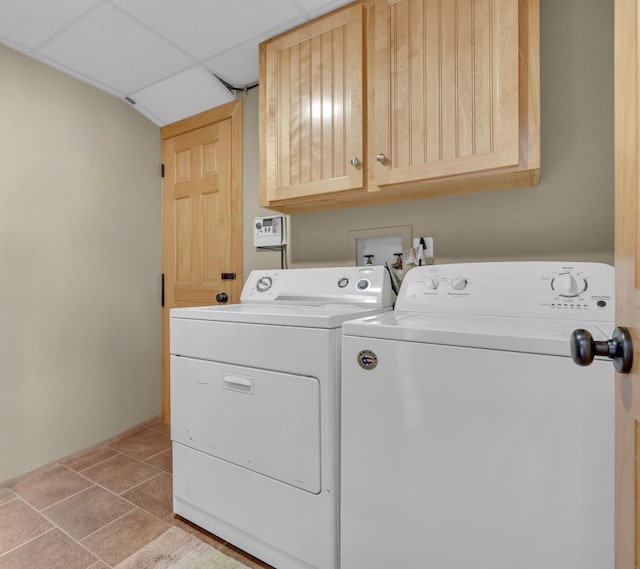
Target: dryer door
x: 264, y: 421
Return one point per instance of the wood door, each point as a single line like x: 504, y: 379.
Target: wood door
x: 311, y: 118
x: 446, y: 88
x: 201, y: 216
x: 627, y: 259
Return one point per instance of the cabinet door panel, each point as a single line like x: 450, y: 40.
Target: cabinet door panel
x: 446, y: 87
x: 311, y: 108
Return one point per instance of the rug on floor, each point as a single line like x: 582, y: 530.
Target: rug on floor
x: 176, y: 549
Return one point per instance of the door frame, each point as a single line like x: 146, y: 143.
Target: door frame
x: 233, y: 111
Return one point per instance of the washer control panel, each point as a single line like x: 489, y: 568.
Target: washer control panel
x: 369, y: 285
x: 568, y: 285
x: 544, y: 289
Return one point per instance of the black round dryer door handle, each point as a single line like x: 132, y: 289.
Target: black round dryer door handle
x: 619, y: 348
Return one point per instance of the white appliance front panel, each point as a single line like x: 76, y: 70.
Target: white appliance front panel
x: 286, y: 527
x: 460, y: 457
x: 301, y: 351
x: 321, y: 316
x: 265, y: 421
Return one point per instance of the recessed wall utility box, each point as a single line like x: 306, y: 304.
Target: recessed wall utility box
x: 379, y: 250
x: 359, y: 245
x: 269, y: 231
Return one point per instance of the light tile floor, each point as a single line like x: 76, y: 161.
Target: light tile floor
x: 97, y: 508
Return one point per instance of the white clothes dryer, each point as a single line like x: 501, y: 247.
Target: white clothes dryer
x: 469, y: 437
x: 255, y: 410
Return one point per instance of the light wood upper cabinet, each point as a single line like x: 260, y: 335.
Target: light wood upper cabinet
x: 446, y: 88
x: 311, y: 91
x: 452, y: 106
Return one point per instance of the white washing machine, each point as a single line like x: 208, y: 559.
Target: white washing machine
x: 469, y: 437
x: 255, y: 410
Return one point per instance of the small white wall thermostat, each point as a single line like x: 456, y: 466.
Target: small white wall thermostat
x: 269, y: 231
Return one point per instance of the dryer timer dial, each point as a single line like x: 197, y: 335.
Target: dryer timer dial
x: 431, y: 283
x: 264, y: 284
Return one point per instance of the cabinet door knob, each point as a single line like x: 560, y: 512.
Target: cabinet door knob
x: 355, y: 162
x: 381, y: 158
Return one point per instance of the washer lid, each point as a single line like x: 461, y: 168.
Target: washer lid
x: 528, y: 335
x: 323, y: 316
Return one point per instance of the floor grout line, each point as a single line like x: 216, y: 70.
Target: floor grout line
x: 54, y: 527
x: 100, y: 461
x: 140, y: 484
x: 158, y: 453
x: 170, y: 520
x: 79, y: 542
x: 65, y: 498
x: 62, y: 530
x: 111, y: 522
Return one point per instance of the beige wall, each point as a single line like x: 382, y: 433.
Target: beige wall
x: 569, y: 215
x: 79, y: 265
x: 252, y: 258
x: 80, y: 231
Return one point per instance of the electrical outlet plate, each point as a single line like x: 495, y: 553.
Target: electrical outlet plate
x: 428, y: 241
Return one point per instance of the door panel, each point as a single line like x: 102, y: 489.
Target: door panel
x: 312, y: 118
x: 202, y: 210
x: 201, y: 214
x: 627, y: 278
x: 446, y: 84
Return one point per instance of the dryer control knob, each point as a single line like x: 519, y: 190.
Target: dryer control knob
x: 459, y: 284
x: 565, y: 284
x: 264, y: 284
x: 431, y: 283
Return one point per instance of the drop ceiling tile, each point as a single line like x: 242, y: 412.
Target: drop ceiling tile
x: 109, y: 47
x: 238, y: 66
x: 183, y: 95
x: 29, y: 23
x: 204, y: 28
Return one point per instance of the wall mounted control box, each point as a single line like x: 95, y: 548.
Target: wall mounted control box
x: 269, y: 231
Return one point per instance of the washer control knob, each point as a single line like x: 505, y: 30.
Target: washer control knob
x: 565, y: 284
x: 363, y: 284
x: 343, y: 282
x: 431, y: 283
x: 264, y: 284
x: 459, y: 284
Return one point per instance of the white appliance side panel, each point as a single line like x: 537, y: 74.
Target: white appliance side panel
x: 459, y: 457
x: 264, y: 421
x: 284, y: 526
